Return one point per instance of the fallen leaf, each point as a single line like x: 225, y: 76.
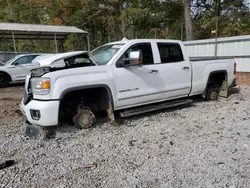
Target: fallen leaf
x: 91, y: 166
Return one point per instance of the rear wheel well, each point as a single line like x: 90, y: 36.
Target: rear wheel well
x: 216, y: 79
x: 217, y: 83
x: 98, y: 100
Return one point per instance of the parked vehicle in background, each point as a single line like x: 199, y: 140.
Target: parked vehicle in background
x: 130, y: 77
x: 16, y: 69
x: 1, y: 63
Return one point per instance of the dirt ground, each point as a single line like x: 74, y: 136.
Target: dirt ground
x: 243, y: 78
x: 10, y: 99
x: 206, y: 144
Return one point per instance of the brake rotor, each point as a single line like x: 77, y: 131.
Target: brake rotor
x: 84, y: 118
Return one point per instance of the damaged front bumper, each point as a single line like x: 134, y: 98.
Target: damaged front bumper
x: 30, y: 129
x: 42, y: 113
x: 39, y: 113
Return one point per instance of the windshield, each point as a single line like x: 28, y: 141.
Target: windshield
x: 103, y: 54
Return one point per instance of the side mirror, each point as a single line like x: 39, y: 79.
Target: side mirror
x: 135, y: 59
x: 15, y: 63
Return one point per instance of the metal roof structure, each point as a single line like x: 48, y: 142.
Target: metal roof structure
x: 35, y: 31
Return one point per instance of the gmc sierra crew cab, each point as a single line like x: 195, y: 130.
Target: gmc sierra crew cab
x: 128, y: 77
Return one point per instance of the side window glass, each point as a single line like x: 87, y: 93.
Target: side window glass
x: 147, y: 54
x: 33, y: 57
x: 24, y: 60
x: 170, y: 53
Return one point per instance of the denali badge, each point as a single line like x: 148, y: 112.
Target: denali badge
x: 127, y: 90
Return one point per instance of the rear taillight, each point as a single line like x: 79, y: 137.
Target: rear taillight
x: 235, y: 65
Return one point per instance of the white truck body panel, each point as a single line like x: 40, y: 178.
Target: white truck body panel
x: 131, y: 86
x: 202, y: 70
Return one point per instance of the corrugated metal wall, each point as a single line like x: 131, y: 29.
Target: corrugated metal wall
x: 231, y: 47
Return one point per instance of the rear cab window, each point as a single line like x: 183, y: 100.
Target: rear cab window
x: 170, y: 52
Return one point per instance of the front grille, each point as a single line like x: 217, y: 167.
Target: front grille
x: 27, y: 96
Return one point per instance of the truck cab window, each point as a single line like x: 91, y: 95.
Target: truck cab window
x: 103, y: 54
x: 146, y: 50
x: 170, y: 52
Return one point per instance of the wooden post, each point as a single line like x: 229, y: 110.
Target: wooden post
x: 14, y: 41
x: 56, y: 43
x: 88, y: 42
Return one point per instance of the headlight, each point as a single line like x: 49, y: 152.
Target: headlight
x: 40, y: 86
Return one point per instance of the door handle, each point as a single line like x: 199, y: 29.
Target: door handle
x: 153, y: 71
x: 185, y: 68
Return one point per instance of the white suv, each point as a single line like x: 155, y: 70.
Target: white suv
x: 16, y: 69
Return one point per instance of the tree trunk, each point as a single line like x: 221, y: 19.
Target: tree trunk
x: 122, y: 23
x: 188, y: 20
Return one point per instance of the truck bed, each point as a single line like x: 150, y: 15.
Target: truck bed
x: 203, y: 68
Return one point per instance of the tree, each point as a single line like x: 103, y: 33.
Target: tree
x: 188, y: 20
x: 111, y: 20
x: 233, y: 19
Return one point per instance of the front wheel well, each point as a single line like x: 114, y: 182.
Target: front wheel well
x: 97, y: 99
x: 5, y: 73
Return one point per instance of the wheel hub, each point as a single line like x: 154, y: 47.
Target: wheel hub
x: 84, y: 118
x: 214, y: 95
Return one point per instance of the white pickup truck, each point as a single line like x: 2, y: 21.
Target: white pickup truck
x: 128, y: 77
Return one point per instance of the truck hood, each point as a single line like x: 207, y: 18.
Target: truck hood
x: 51, y: 63
x: 56, y: 60
x: 39, y: 72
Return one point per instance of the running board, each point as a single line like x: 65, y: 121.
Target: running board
x: 154, y: 107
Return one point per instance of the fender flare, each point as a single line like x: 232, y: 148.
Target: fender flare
x: 89, y: 87
x: 214, y: 72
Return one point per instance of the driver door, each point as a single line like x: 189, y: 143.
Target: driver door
x: 21, y: 67
x: 138, y: 85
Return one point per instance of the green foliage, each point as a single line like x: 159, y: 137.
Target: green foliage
x: 111, y: 20
x: 233, y: 19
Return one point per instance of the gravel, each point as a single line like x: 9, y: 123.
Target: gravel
x: 206, y: 144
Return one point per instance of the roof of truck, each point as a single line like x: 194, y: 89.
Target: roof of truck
x: 125, y: 41
x: 48, y: 59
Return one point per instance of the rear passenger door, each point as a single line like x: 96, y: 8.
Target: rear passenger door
x: 174, y: 70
